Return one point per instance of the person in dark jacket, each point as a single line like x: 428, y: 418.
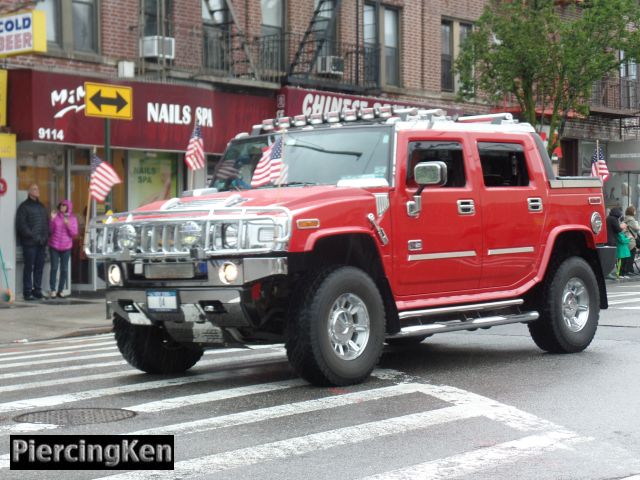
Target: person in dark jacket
x: 613, y: 229
x: 32, y: 225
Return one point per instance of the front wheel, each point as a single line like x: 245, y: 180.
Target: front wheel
x: 570, y: 308
x: 336, y: 328
x: 150, y: 349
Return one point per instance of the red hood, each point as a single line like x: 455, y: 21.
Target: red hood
x: 296, y: 199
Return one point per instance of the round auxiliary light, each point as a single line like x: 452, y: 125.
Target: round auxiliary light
x: 127, y: 236
x: 190, y: 233
x: 228, y: 272
x: 114, y: 274
x: 596, y: 222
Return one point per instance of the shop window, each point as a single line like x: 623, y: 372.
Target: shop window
x: 46, y: 169
x: 503, y: 164
x: 72, y: 25
x: 448, y: 152
x: 152, y: 176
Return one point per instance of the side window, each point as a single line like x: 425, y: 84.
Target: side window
x: 448, y: 152
x: 503, y: 164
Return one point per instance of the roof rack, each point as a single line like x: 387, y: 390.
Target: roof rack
x: 386, y: 114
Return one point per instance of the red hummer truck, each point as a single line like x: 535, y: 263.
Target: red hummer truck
x: 373, y: 226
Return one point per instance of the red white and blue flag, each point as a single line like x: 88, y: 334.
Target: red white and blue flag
x: 103, y: 178
x: 270, y: 168
x: 598, y: 165
x: 194, y: 157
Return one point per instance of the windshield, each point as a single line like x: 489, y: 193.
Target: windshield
x: 330, y: 156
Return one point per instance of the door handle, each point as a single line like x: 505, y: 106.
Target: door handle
x: 534, y: 204
x: 466, y: 207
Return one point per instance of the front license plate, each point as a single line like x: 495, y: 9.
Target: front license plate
x: 162, y: 301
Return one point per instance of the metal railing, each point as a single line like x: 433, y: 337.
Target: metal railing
x: 275, y: 58
x: 617, y: 94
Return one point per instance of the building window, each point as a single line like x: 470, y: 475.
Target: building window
x: 327, y: 31
x: 157, y: 14
x: 628, y: 82
x: 215, y: 25
x: 452, y: 36
x: 272, y: 35
x: 72, y: 25
x: 391, y: 50
x: 382, y: 25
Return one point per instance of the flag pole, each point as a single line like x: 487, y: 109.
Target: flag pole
x: 86, y: 218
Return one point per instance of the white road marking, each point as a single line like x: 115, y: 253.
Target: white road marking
x: 56, y: 349
x: 102, y: 376
x: 619, y: 302
x: 61, y: 369
x: 53, y: 354
x: 25, y: 427
x: 627, y: 308
x: 198, y: 467
x: 52, y: 400
x: 468, y: 463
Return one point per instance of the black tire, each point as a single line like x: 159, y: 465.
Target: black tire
x: 406, y: 341
x: 552, y: 332
x: 150, y: 349
x: 312, y: 351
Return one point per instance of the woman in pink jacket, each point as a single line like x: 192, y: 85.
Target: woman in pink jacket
x: 63, y: 226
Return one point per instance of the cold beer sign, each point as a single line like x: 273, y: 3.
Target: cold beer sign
x: 24, y: 32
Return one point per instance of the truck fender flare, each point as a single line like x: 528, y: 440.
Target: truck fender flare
x: 551, y: 243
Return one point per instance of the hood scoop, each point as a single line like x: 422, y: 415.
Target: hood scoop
x: 230, y: 201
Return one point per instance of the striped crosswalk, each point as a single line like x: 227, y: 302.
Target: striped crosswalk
x: 624, y: 297
x: 240, y: 409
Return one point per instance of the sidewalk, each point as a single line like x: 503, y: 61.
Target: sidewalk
x: 79, y: 314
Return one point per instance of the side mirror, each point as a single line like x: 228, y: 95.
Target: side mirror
x: 426, y: 173
x: 430, y: 173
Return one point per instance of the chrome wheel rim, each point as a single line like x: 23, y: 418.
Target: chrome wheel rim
x: 575, y: 304
x: 349, y: 326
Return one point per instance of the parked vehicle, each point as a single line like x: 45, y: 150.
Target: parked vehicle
x: 374, y: 226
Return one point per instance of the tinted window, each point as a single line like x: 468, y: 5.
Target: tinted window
x: 503, y: 164
x: 448, y: 152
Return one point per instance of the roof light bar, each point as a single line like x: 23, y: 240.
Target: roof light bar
x: 488, y: 118
x: 349, y: 115
x: 299, y: 120
x: 284, y: 122
x: 383, y: 112
x: 316, y: 118
x: 332, y: 117
x: 366, y: 113
x: 268, y: 124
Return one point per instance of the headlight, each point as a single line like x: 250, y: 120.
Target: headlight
x: 127, y: 236
x: 190, y: 232
x: 114, y: 275
x: 230, y: 235
x: 596, y: 222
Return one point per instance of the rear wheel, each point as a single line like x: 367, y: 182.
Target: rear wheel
x: 336, y: 328
x: 570, y: 308
x: 150, y: 349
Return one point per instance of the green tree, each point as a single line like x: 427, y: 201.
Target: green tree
x: 547, y: 57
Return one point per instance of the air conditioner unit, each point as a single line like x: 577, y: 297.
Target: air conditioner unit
x: 330, y: 65
x: 158, y: 47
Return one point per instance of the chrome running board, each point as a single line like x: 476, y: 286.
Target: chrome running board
x: 455, y: 325
x: 460, y: 308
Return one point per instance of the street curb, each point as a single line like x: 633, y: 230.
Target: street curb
x: 85, y: 332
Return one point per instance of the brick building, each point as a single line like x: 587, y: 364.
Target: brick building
x: 225, y: 63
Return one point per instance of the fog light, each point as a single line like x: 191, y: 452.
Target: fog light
x: 228, y: 272
x: 114, y: 274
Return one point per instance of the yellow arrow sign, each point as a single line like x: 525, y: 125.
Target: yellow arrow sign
x: 108, y: 101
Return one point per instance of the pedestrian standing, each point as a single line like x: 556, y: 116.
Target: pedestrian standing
x: 63, y: 226
x: 33, y: 233
x: 613, y: 229
x: 633, y: 231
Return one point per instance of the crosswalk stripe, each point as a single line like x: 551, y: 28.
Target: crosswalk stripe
x: 619, y: 302
x: 97, y: 376
x: 26, y: 351
x: 278, y: 411
x: 25, y: 428
x: 206, y: 465
x: 53, y: 354
x: 52, y: 400
x: 468, y: 463
x: 621, y: 294
x: 627, y: 308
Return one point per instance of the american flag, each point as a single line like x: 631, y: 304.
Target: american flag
x: 195, y: 150
x: 598, y: 165
x: 270, y: 168
x: 103, y: 177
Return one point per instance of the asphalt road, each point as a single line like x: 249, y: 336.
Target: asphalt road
x: 481, y: 405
